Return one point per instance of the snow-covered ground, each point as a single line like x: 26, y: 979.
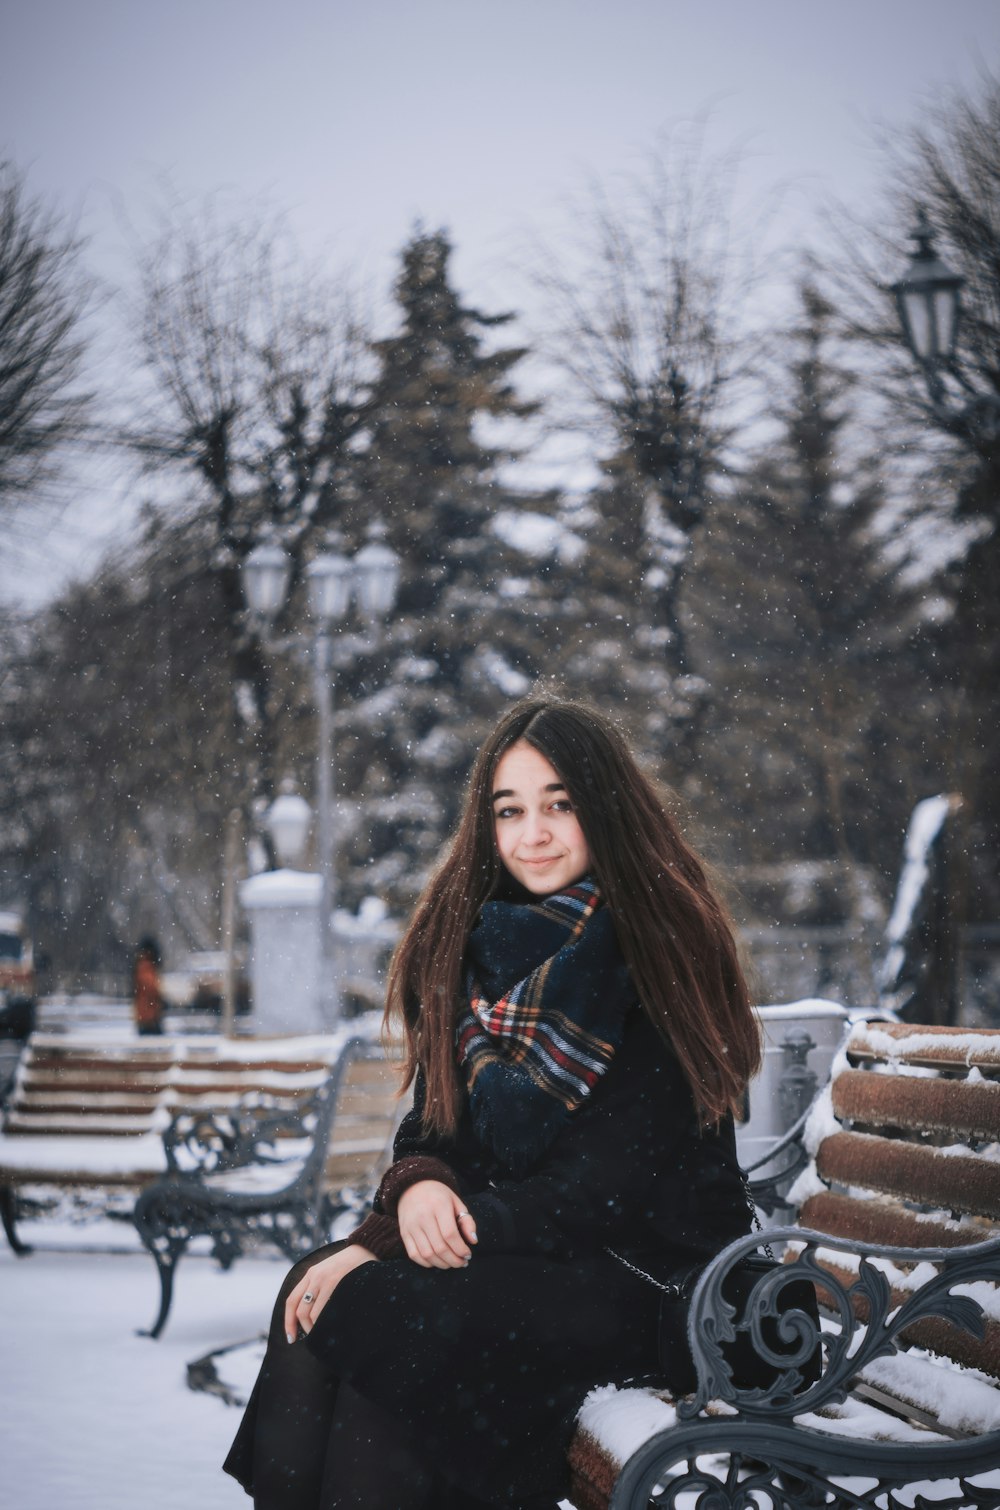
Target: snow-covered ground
x: 93, y: 1417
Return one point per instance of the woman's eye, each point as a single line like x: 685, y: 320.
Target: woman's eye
x: 506, y: 812
x: 563, y: 805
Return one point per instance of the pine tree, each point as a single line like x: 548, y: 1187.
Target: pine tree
x: 464, y: 638
x: 806, y: 632
x: 429, y: 466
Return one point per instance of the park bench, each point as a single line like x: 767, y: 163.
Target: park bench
x: 898, y: 1215
x: 93, y: 1111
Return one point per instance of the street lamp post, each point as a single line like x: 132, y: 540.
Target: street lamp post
x: 333, y: 580
x: 928, y: 303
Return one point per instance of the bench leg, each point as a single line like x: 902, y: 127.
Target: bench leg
x: 8, y: 1215
x: 166, y: 1261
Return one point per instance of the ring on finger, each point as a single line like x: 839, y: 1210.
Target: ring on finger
x: 309, y: 1297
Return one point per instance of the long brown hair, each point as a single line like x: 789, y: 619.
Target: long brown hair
x: 673, y: 931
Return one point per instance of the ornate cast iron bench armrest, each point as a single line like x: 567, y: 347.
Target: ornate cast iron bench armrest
x: 199, y: 1143
x: 761, y: 1433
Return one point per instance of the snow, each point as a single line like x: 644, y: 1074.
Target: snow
x: 855, y: 1418
x: 514, y: 587
x: 282, y: 888
x: 807, y: 1184
x: 808, y: 1007
x: 822, y: 1121
x: 959, y: 1401
x: 622, y: 1419
x: 989, y: 1151
x: 441, y: 748
x: 538, y: 535
x: 109, y: 1155
x: 415, y: 668
x: 211, y: 1047
x: 925, y: 824
x: 497, y: 669
x: 96, y: 1418
x: 872, y: 1037
x: 909, y: 1281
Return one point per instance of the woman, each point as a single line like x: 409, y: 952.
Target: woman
x: 578, y: 1033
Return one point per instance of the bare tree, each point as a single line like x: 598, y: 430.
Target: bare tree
x: 43, y: 297
x: 254, y: 367
x: 943, y: 426
x: 648, y: 326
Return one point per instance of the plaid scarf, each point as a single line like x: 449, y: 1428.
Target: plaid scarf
x: 548, y: 991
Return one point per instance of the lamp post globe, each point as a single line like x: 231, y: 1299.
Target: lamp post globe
x: 928, y: 298
x: 329, y: 576
x: 265, y: 574
x: 377, y: 567
x: 288, y: 819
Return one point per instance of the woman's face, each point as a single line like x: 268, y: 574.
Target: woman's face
x: 539, y: 838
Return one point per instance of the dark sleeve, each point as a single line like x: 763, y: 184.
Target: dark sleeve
x: 416, y: 1155
x: 603, y: 1177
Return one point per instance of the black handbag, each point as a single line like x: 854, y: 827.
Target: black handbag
x: 749, y: 1369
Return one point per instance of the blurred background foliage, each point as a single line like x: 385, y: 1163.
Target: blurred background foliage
x: 784, y: 580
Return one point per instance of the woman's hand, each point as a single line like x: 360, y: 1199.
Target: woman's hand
x: 312, y: 1293
x: 435, y: 1227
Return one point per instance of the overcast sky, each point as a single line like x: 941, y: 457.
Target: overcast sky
x: 480, y: 115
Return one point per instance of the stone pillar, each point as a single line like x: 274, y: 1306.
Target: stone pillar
x: 284, y: 908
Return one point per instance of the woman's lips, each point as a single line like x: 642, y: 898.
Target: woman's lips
x: 542, y: 860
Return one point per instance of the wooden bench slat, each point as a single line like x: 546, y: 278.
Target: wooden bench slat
x: 916, y: 1384
x: 101, y: 1104
x: 66, y: 1125
x: 884, y: 1223
x: 255, y: 1068
x: 90, y: 1179
x: 90, y: 1080
x: 934, y: 1333
x: 58, y: 1064
x: 936, y: 1105
x: 943, y: 1181
x: 930, y: 1048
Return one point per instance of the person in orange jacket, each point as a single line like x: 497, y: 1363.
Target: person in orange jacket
x: 147, y: 1003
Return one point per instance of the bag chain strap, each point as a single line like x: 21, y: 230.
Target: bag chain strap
x: 674, y: 1289
x: 752, y: 1208
x: 678, y: 1290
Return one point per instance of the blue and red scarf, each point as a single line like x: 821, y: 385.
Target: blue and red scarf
x: 548, y: 992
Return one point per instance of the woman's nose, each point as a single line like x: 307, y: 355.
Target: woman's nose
x: 537, y: 830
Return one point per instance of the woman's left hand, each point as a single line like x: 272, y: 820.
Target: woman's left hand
x: 312, y: 1293
x: 435, y: 1226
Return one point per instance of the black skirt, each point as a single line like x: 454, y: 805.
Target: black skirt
x: 485, y: 1367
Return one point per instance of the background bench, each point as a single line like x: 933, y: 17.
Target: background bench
x: 252, y: 1175
x: 899, y: 1216
x: 90, y: 1110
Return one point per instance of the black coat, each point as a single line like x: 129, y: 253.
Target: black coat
x: 632, y: 1171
